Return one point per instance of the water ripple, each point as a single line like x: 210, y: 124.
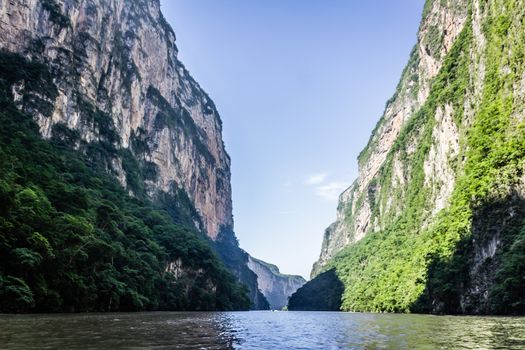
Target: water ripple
x: 259, y: 330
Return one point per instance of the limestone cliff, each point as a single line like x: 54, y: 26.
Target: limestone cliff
x: 434, y: 221
x: 122, y: 87
x: 357, y: 212
x: 275, y: 286
x: 120, y: 57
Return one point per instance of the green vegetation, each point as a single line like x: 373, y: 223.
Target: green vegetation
x: 508, y: 294
x: 180, y: 119
x: 227, y: 247
x: 322, y: 294
x: 488, y: 202
x: 72, y: 240
x: 434, y: 41
x: 410, y: 78
x: 424, y: 264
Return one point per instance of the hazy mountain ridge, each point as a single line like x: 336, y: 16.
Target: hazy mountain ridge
x: 276, y: 286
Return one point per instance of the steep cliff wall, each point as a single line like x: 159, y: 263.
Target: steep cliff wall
x: 72, y: 239
x: 434, y: 219
x: 357, y: 212
x: 119, y: 57
x: 275, y: 286
x: 138, y: 112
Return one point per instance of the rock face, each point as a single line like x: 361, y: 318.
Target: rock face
x: 441, y: 24
x: 120, y: 57
x: 433, y: 221
x: 275, y: 286
x: 122, y: 86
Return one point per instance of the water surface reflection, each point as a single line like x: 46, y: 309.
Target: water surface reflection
x: 259, y: 330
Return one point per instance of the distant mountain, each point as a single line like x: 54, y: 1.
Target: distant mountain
x: 275, y: 286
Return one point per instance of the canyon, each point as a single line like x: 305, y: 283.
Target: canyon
x: 434, y: 221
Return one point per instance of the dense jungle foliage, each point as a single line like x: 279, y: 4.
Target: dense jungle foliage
x: 323, y: 294
x: 73, y: 240
x: 423, y: 264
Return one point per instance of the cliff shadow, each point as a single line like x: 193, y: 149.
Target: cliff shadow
x: 485, y: 273
x: 323, y: 293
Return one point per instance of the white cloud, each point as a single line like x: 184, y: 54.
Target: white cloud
x: 316, y: 179
x: 331, y: 190
x: 327, y: 190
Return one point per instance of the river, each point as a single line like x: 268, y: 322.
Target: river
x: 259, y: 330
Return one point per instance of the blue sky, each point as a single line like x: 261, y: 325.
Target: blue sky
x: 299, y: 84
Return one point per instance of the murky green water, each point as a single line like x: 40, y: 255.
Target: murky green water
x: 259, y: 330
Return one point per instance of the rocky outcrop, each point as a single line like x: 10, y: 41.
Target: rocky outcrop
x: 138, y: 112
x: 358, y: 212
x: 275, y: 286
x: 120, y: 57
x: 435, y: 220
